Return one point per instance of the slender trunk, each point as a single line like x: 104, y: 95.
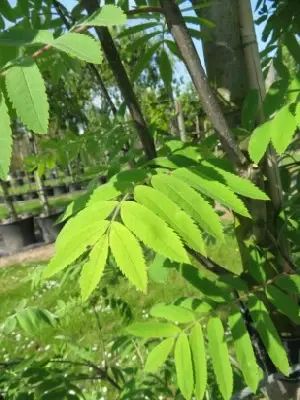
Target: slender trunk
x: 208, y: 98
x: 180, y: 118
x: 8, y: 202
x: 115, y: 63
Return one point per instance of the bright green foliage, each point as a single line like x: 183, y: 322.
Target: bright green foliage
x: 172, y: 214
x: 158, y: 355
x: 283, y: 128
x: 108, y: 15
x: 27, y: 92
x: 172, y: 313
x: 220, y: 357
x: 31, y: 319
x: 25, y: 37
x: 74, y: 244
x: 291, y: 284
x: 87, y: 217
x: 165, y: 68
x: 92, y: 270
x: 153, y: 231
x: 259, y: 141
x: 191, y: 202
x: 237, y: 184
x: 212, y: 189
x: 283, y: 303
x: 153, y: 329
x: 128, y: 255
x: 243, y: 348
x: 144, y: 60
x: 80, y: 46
x: 156, y: 270
x: 5, y: 139
x: 199, y: 360
x: 268, y: 334
x: 184, y: 366
x: 250, y: 109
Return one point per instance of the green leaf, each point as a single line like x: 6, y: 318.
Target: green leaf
x: 165, y: 208
x: 199, y: 35
x: 256, y: 265
x: 31, y: 319
x: 5, y: 139
x: 7, y: 11
x: 79, y: 46
x: 87, y: 217
x: 172, y: 313
x: 283, y: 303
x: 108, y: 15
x: 142, y: 41
x: 74, y: 245
x: 259, y: 141
x: 291, y: 42
x: 144, y: 60
x: 284, y: 126
x: 237, y: 184
x: 184, y: 366
x: 157, y: 271
x: 268, y: 334
x: 250, y: 109
x: 128, y: 255
x: 153, y: 330
x: 199, y: 360
x: 153, y: 231
x: 138, y: 28
x: 27, y: 92
x: 18, y: 37
x: 93, y: 269
x: 212, y: 189
x: 110, y: 190
x: 199, y: 21
x: 158, y: 355
x: 220, y: 357
x: 275, y: 97
x: 291, y: 284
x: 244, y: 349
x: 191, y: 202
x: 165, y: 68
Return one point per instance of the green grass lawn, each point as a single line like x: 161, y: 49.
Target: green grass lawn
x: 78, y: 325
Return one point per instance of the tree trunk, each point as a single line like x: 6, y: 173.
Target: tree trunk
x: 123, y: 81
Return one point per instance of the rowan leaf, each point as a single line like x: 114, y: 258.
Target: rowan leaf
x: 153, y: 329
x: 237, y: 184
x: 25, y: 37
x: 268, y: 334
x: 212, y: 189
x: 259, y: 141
x: 184, y: 366
x: 199, y: 360
x: 191, y: 202
x: 128, y: 255
x: 172, y: 313
x: 138, y: 28
x: 79, y: 46
x: 74, y: 245
x: 93, y: 269
x: 244, y: 349
x: 283, y: 303
x: 108, y: 15
x: 144, y: 60
x: 220, y: 357
x: 158, y: 355
x: 290, y: 283
x: 153, y: 231
x: 165, y: 208
x: 27, y: 92
x: 5, y: 139
x: 165, y: 68
x: 284, y: 126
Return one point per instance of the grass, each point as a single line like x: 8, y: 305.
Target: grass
x: 78, y: 325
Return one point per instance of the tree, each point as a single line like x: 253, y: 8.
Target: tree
x: 164, y: 204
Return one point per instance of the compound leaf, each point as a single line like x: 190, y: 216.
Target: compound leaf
x: 184, y: 366
x: 158, y: 355
x: 199, y: 360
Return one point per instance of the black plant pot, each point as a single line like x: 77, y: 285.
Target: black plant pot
x: 59, y: 190
x: 49, y: 230
x: 17, y: 234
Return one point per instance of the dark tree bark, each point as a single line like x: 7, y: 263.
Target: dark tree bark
x: 208, y: 98
x: 115, y: 63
